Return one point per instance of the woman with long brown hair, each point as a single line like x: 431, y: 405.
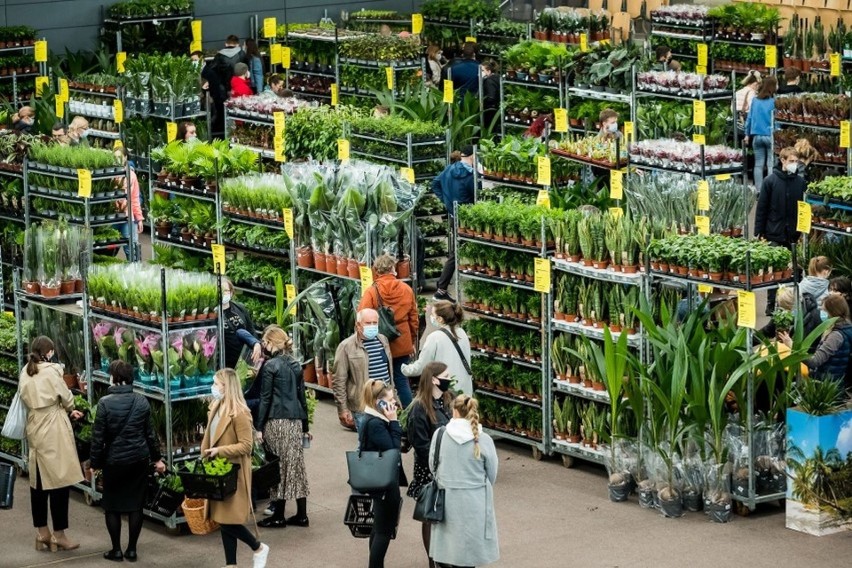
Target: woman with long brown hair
x: 758, y: 128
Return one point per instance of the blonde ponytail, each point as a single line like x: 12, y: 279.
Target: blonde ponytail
x: 468, y: 408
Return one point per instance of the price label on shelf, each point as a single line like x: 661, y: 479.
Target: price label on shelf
x: 389, y: 76
x: 699, y: 139
x: 701, y: 69
x: 286, y: 54
x: 41, y: 51
x: 84, y: 183
x: 541, y: 282
x: 218, y: 258
x: 275, y: 54
x: 703, y: 195
x: 366, y: 277
x: 584, y: 42
x: 543, y: 171
x: 117, y: 111
x: 560, y: 120
x: 288, y: 222
x: 628, y: 130
x: 291, y: 297
x: 835, y: 64
x: 342, y: 149
x: 278, y: 149
x: 171, y: 131
x: 270, y: 27
x: 278, y: 122
x: 699, y: 113
x: 195, y: 45
x: 60, y: 108
x: 120, y: 60
x: 723, y: 177
x: 803, y: 217
x: 616, y: 184
x: 616, y: 212
x: 844, y: 133
x: 40, y: 84
x: 407, y: 174
x: 702, y: 55
x: 771, y: 57
x: 705, y: 289
x: 470, y: 39
x: 196, y: 30
x: 702, y: 224
x: 63, y: 90
x: 449, y: 92
x: 746, y: 309
x: 543, y: 198
x: 416, y: 24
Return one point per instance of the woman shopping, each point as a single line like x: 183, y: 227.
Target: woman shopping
x: 237, y: 319
x: 431, y: 409
x: 758, y: 128
x: 53, y: 463
x: 124, y: 446
x: 228, y: 435
x: 448, y: 344
x: 282, y: 422
x: 467, y: 470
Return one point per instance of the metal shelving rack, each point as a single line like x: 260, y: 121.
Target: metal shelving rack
x: 9, y: 262
x: 264, y: 121
x: 178, y: 189
x: 397, y: 66
x: 76, y: 107
x: 557, y: 83
x: 297, y: 67
x: 154, y: 20
x: 40, y: 69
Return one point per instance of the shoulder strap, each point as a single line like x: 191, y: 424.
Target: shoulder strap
x: 378, y: 296
x: 437, y: 458
x: 458, y: 350
x: 127, y: 418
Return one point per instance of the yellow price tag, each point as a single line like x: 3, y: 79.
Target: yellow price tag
x: 60, y: 107
x: 389, y: 77
x: 844, y: 133
x: 342, y: 149
x: 275, y: 54
x: 117, y: 111
x: 41, y: 51
x: 120, y: 60
x: 278, y: 149
x: 560, y: 119
x: 701, y: 69
x: 584, y: 42
x: 291, y: 297
x: 616, y: 212
x: 196, y: 30
x: 366, y: 277
x: 771, y: 57
x: 702, y: 223
x: 416, y: 23
x: 803, y: 217
x: 335, y: 94
x: 746, y: 309
x: 699, y: 113
x: 703, y: 196
x: 171, y: 131
x: 278, y: 122
x: 628, y: 129
x: 699, y: 139
x: 63, y: 90
x: 449, y: 92
x: 835, y: 64
x: 84, y: 183
x: 543, y: 171
x: 616, y: 184
x: 218, y: 258
x: 195, y: 45
x: 286, y: 55
x: 470, y: 39
x: 543, y: 198
x: 705, y: 289
x: 723, y: 177
x: 270, y: 28
x: 541, y: 282
x: 288, y: 222
x: 407, y: 174
x: 40, y: 83
x: 702, y: 54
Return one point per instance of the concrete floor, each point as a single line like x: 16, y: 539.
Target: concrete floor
x: 548, y: 516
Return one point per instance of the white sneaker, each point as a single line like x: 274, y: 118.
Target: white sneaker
x: 260, y: 556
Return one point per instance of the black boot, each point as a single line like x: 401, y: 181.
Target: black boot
x: 300, y: 519
x: 276, y: 521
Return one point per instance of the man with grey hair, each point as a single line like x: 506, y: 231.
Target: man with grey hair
x: 363, y: 355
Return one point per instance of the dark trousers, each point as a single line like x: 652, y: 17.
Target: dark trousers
x: 230, y: 535
x: 58, y: 499
x: 450, y: 265
x: 385, y: 518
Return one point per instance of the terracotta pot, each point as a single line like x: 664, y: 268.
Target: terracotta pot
x: 353, y: 268
x: 600, y: 264
x: 615, y: 328
x: 403, y: 268
x: 305, y: 257
x: 67, y: 287
x: 331, y: 264
x: 32, y: 288
x: 716, y: 276
x: 587, y: 262
x: 559, y: 316
x: 574, y: 258
x: 78, y: 286
x: 632, y: 269
x: 574, y: 439
x: 70, y: 381
x: 320, y: 261
x: 342, y: 266
x: 598, y: 386
x: 50, y: 291
x: 310, y: 373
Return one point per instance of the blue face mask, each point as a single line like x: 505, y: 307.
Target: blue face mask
x: 823, y: 315
x: 371, y: 331
x: 467, y: 166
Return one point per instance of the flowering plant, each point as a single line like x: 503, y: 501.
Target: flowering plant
x: 145, y: 348
x: 105, y: 341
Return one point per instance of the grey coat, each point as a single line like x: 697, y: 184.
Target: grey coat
x: 816, y: 287
x: 468, y: 535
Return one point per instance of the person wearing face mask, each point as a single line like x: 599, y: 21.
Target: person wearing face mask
x: 23, y: 120
x: 362, y: 356
x: 78, y: 131
x: 282, y: 422
x: 431, y: 409
x: 433, y: 66
x: 816, y: 282
x: 237, y: 321
x: 124, y: 445
x: 609, y: 125
x: 449, y: 344
x: 187, y: 132
x: 53, y: 463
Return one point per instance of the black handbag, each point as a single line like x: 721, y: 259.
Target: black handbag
x: 430, y: 501
x: 387, y: 321
x: 373, y: 472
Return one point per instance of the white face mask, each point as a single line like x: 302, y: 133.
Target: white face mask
x: 216, y: 393
x: 612, y: 127
x: 226, y: 298
x: 792, y: 167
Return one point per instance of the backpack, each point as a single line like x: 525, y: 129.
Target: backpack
x: 387, y: 321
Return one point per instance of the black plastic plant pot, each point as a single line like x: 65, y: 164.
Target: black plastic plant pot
x: 619, y: 492
x: 740, y: 486
x: 671, y: 508
x: 692, y: 501
x: 718, y: 512
x: 647, y: 498
x: 778, y: 483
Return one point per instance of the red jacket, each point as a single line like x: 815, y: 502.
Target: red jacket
x: 399, y: 296
x: 240, y: 87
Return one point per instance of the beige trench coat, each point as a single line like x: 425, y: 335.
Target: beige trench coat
x: 234, y: 440
x: 51, y: 441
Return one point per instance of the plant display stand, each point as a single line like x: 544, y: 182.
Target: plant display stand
x: 96, y: 104
x: 12, y: 226
x: 314, y: 64
x: 10, y: 450
x: 18, y: 65
x: 261, y: 127
x: 127, y: 31
x: 817, y: 118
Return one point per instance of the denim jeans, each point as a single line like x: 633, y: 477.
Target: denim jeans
x: 123, y: 229
x: 762, y: 146
x: 400, y: 381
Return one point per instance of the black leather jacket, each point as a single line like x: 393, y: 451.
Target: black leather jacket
x: 123, y: 432
x: 420, y: 430
x: 282, y: 393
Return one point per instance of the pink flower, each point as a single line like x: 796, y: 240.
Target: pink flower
x: 209, y: 347
x: 117, y: 334
x: 101, y: 330
x: 147, y: 345
x: 177, y: 343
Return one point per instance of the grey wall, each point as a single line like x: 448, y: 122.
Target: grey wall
x: 75, y: 23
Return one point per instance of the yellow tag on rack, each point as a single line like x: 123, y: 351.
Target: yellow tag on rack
x: 560, y: 120
x: 407, y: 174
x: 171, y: 131
x: 470, y: 39
x: 703, y: 196
x: 278, y: 122
x: 541, y: 281
x: 117, y: 111
x: 746, y: 309
x: 702, y: 55
x: 416, y: 23
x: 449, y: 92
x: 702, y: 223
x: 63, y: 90
x: 196, y: 30
x: 628, y: 130
x: 275, y: 54
x: 60, y: 107
x: 844, y: 133
x: 366, y: 277
x: 803, y: 217
x: 41, y: 51
x: 270, y: 28
x: 278, y: 149
x: 616, y: 212
x: 543, y: 171
x: 771, y: 57
x: 543, y: 198
x: 84, y: 183
x: 40, y: 83
x: 288, y: 222
x: 291, y: 297
x: 616, y: 184
x: 699, y: 139
x: 194, y: 46
x: 286, y: 54
x: 701, y: 69
x: 835, y: 64
x: 584, y: 42
x: 699, y: 113
x: 334, y: 94
x: 120, y: 60
x: 218, y: 258
x: 705, y: 289
x: 342, y: 149
x: 389, y: 76
x: 723, y: 177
